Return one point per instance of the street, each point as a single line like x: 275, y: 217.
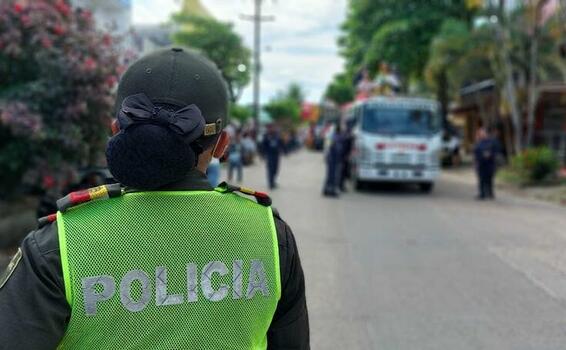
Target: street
x: 397, y: 269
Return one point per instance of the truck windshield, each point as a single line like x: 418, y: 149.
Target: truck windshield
x: 403, y: 121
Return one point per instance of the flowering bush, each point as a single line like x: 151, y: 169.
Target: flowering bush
x: 56, y: 78
x: 535, y: 164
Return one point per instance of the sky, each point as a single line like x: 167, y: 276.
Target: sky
x: 299, y: 46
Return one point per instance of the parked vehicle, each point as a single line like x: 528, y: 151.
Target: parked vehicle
x: 396, y: 139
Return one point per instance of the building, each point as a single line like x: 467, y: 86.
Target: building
x: 481, y: 104
x: 149, y: 37
x: 114, y: 16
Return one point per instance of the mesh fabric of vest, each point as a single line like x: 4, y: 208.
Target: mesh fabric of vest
x: 141, y: 231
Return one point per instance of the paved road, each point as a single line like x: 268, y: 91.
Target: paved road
x: 396, y: 269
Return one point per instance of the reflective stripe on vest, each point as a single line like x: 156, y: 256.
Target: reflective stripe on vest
x: 169, y: 270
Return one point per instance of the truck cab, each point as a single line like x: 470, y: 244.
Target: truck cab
x: 396, y: 139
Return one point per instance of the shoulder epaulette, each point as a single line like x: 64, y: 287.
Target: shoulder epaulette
x: 79, y: 197
x: 46, y: 220
x: 261, y: 197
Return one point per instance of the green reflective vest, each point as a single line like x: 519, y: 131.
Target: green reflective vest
x: 169, y: 270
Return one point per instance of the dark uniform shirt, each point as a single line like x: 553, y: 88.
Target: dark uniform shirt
x: 485, y: 154
x: 272, y: 146
x: 34, y: 312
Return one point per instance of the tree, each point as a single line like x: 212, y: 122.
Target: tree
x: 285, y: 107
x: 296, y: 93
x: 240, y: 113
x: 458, y: 55
x: 56, y: 97
x: 219, y: 42
x: 501, y: 49
x: 340, y: 90
x: 528, y: 54
x: 395, y: 31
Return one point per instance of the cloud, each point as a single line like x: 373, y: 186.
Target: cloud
x: 153, y: 12
x: 300, y: 45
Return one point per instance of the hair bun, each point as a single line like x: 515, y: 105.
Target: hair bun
x: 148, y: 156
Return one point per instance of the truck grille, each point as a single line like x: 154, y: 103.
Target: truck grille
x: 399, y: 166
x: 400, y: 158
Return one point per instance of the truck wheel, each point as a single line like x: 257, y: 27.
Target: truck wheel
x: 358, y: 184
x: 426, y: 187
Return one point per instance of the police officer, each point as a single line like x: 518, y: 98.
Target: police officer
x: 166, y: 262
x: 486, y: 151
x: 334, y: 162
x: 272, y: 146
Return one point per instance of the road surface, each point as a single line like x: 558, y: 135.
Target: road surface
x: 397, y: 269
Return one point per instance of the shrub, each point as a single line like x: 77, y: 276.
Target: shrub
x: 535, y: 164
x: 57, y: 73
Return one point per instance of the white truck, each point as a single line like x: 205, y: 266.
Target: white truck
x: 396, y: 139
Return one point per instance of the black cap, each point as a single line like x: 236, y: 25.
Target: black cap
x: 179, y: 77
x: 150, y: 155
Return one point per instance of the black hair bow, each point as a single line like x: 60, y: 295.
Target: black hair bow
x: 187, y: 122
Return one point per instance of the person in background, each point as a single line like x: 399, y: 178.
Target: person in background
x: 386, y: 82
x: 213, y: 172
x: 334, y: 163
x: 486, y: 151
x: 348, y: 140
x: 249, y: 148
x: 235, y: 158
x: 271, y: 147
x: 364, y: 86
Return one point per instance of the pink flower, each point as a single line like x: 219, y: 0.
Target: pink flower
x: 59, y: 29
x: 21, y: 120
x: 26, y: 20
x: 63, y: 8
x: 86, y: 15
x: 89, y: 64
x: 18, y: 8
x: 111, y: 81
x: 107, y: 40
x: 46, y: 43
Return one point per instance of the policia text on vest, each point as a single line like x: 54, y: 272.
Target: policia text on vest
x: 97, y: 289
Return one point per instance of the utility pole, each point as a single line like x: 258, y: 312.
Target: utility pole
x: 257, y: 19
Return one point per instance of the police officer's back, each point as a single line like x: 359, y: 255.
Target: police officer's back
x: 166, y: 262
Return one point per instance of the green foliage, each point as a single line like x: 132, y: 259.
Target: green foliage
x: 340, y: 90
x: 221, y: 44
x: 398, y: 31
x: 535, y: 165
x: 296, y: 93
x: 239, y: 112
x: 283, y: 109
x: 286, y: 106
x: 56, y: 102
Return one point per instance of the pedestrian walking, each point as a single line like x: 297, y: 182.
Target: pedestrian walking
x: 486, y: 151
x: 166, y: 262
x: 272, y: 147
x: 334, y: 163
x: 235, y: 158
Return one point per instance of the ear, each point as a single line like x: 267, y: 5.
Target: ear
x: 115, y: 127
x: 221, y: 145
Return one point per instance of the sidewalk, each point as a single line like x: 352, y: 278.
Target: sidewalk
x: 553, y: 194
